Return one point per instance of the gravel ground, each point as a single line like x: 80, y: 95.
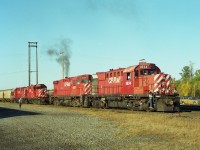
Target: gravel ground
x: 44, y: 127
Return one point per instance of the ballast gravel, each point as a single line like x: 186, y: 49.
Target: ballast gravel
x: 36, y: 127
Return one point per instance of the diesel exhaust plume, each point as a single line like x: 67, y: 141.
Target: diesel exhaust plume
x: 61, y: 53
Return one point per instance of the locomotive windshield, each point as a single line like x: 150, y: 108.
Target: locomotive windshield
x: 86, y: 78
x: 40, y: 86
x: 145, y: 69
x: 150, y: 72
x: 147, y: 72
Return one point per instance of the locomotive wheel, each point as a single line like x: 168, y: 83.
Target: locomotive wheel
x: 25, y: 101
x: 56, y: 102
x: 76, y: 103
x: 39, y: 102
x: 104, y: 105
x: 86, y: 103
x: 34, y: 101
x: 99, y: 104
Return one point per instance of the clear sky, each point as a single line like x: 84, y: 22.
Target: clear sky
x: 101, y: 34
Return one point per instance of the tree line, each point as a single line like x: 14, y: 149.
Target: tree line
x: 189, y: 84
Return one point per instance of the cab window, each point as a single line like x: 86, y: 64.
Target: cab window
x: 143, y: 72
x: 136, y: 73
x: 150, y: 72
x: 114, y: 74
x: 128, y: 76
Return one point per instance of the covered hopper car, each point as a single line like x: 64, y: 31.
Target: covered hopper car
x: 6, y: 95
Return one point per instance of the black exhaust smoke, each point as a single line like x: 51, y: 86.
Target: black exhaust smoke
x: 61, y: 53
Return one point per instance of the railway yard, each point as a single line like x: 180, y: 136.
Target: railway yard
x: 100, y: 75
x: 57, y: 127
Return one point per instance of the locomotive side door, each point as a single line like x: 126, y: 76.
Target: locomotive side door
x: 128, y: 83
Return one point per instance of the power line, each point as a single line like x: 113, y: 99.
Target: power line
x: 9, y: 73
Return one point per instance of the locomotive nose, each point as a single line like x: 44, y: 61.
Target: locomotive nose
x: 161, y: 83
x: 42, y: 93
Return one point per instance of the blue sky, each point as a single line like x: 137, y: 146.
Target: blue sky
x: 103, y: 34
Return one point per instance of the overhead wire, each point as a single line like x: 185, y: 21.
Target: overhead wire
x: 9, y: 73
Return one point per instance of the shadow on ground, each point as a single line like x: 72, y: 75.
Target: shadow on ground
x: 7, y: 112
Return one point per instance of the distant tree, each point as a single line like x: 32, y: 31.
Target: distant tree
x: 184, y: 88
x: 191, y: 69
x: 189, y: 84
x: 197, y: 89
x: 195, y: 84
x: 197, y: 73
x: 185, y: 73
x: 173, y: 83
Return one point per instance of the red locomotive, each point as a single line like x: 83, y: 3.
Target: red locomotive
x: 139, y: 79
x: 31, y: 94
x: 78, y: 85
x: 69, y: 91
x: 118, y: 88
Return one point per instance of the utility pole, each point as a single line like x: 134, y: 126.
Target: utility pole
x: 62, y: 53
x: 32, y: 44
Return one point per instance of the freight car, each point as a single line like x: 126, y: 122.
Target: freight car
x: 118, y: 88
x: 34, y: 94
x: 6, y: 95
x: 190, y: 101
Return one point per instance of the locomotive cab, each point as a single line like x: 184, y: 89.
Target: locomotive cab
x: 145, y: 69
x: 145, y: 77
x: 40, y: 86
x: 40, y: 90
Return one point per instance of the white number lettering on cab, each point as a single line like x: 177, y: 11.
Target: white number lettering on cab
x: 67, y: 84
x: 128, y: 83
